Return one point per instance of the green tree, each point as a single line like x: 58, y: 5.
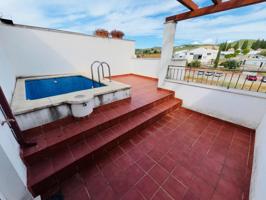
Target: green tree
x: 146, y: 51
x: 246, y: 51
x: 232, y: 55
x: 194, y: 63
x: 217, y: 59
x: 263, y: 44
x: 236, y: 47
x: 229, y: 46
x: 230, y: 64
x: 255, y: 45
x: 263, y: 53
x: 223, y: 46
x: 244, y: 45
x: 237, y: 52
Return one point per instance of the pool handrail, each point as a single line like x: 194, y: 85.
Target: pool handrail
x: 101, y: 65
x: 92, y: 77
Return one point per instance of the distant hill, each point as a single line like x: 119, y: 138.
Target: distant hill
x: 157, y: 50
x: 250, y: 42
x: 194, y: 46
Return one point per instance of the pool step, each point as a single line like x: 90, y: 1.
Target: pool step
x: 64, y: 160
x: 66, y: 130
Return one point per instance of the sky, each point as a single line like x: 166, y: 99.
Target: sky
x: 140, y: 20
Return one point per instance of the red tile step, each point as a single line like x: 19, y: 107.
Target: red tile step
x: 63, y: 131
x: 66, y: 159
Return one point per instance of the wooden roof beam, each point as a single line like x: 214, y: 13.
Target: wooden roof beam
x: 223, y: 6
x: 216, y: 1
x: 189, y: 4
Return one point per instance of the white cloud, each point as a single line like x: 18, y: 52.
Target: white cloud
x: 133, y: 17
x: 136, y: 18
x: 250, y: 25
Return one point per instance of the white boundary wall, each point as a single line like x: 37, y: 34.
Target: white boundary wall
x: 239, y: 107
x: 146, y: 66
x: 258, y: 180
x: 12, y: 171
x: 35, y: 51
x: 11, y: 186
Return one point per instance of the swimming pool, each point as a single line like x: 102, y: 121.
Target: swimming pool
x: 42, y: 88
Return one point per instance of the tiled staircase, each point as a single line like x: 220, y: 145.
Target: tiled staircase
x: 65, y: 145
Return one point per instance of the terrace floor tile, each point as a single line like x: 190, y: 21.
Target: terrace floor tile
x: 194, y: 157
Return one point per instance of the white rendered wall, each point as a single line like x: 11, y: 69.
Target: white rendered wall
x: 240, y: 107
x: 146, y: 66
x: 41, y: 52
x: 11, y: 186
x: 167, y: 49
x: 258, y: 178
x: 12, y: 170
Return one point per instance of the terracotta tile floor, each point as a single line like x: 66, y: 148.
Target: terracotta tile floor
x: 185, y: 155
x: 68, y: 127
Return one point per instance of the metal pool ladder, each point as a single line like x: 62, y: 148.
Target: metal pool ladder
x: 100, y: 66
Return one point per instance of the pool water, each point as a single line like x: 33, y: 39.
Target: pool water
x: 41, y: 88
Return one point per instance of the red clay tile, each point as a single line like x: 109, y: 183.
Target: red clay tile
x: 167, y: 163
x: 124, y: 162
x: 73, y: 188
x: 174, y: 188
x: 110, y: 170
x: 209, y: 176
x: 40, y: 169
x: 156, y: 154
x: 162, y: 195
x: 198, y: 143
x: 183, y: 174
x: 147, y: 187
x: 126, y: 145
x: 234, y: 176
x: 191, y: 196
x: 146, y: 163
x: 124, y: 180
x: 79, y: 149
x: 228, y: 189
x: 201, y: 189
x: 61, y: 158
x: 106, y: 193
x: 212, y: 165
x: 136, y: 154
x: 96, y: 184
x: 116, y: 153
x: 218, y: 196
x: 132, y: 194
x: 159, y: 174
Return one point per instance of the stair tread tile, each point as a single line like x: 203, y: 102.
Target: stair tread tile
x: 73, y: 152
x: 97, y: 118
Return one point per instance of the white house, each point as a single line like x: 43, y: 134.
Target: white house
x: 204, y: 55
x: 224, y: 53
x: 254, y: 53
x: 255, y: 63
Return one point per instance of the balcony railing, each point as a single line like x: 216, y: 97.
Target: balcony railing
x: 230, y: 79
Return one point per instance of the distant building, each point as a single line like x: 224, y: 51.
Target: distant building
x: 256, y: 63
x: 254, y: 54
x: 205, y: 55
x: 224, y: 53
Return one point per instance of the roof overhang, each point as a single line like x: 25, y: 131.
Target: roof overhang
x: 218, y: 6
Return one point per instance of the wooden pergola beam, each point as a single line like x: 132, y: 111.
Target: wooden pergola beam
x: 213, y: 9
x: 189, y: 4
x: 216, y: 1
